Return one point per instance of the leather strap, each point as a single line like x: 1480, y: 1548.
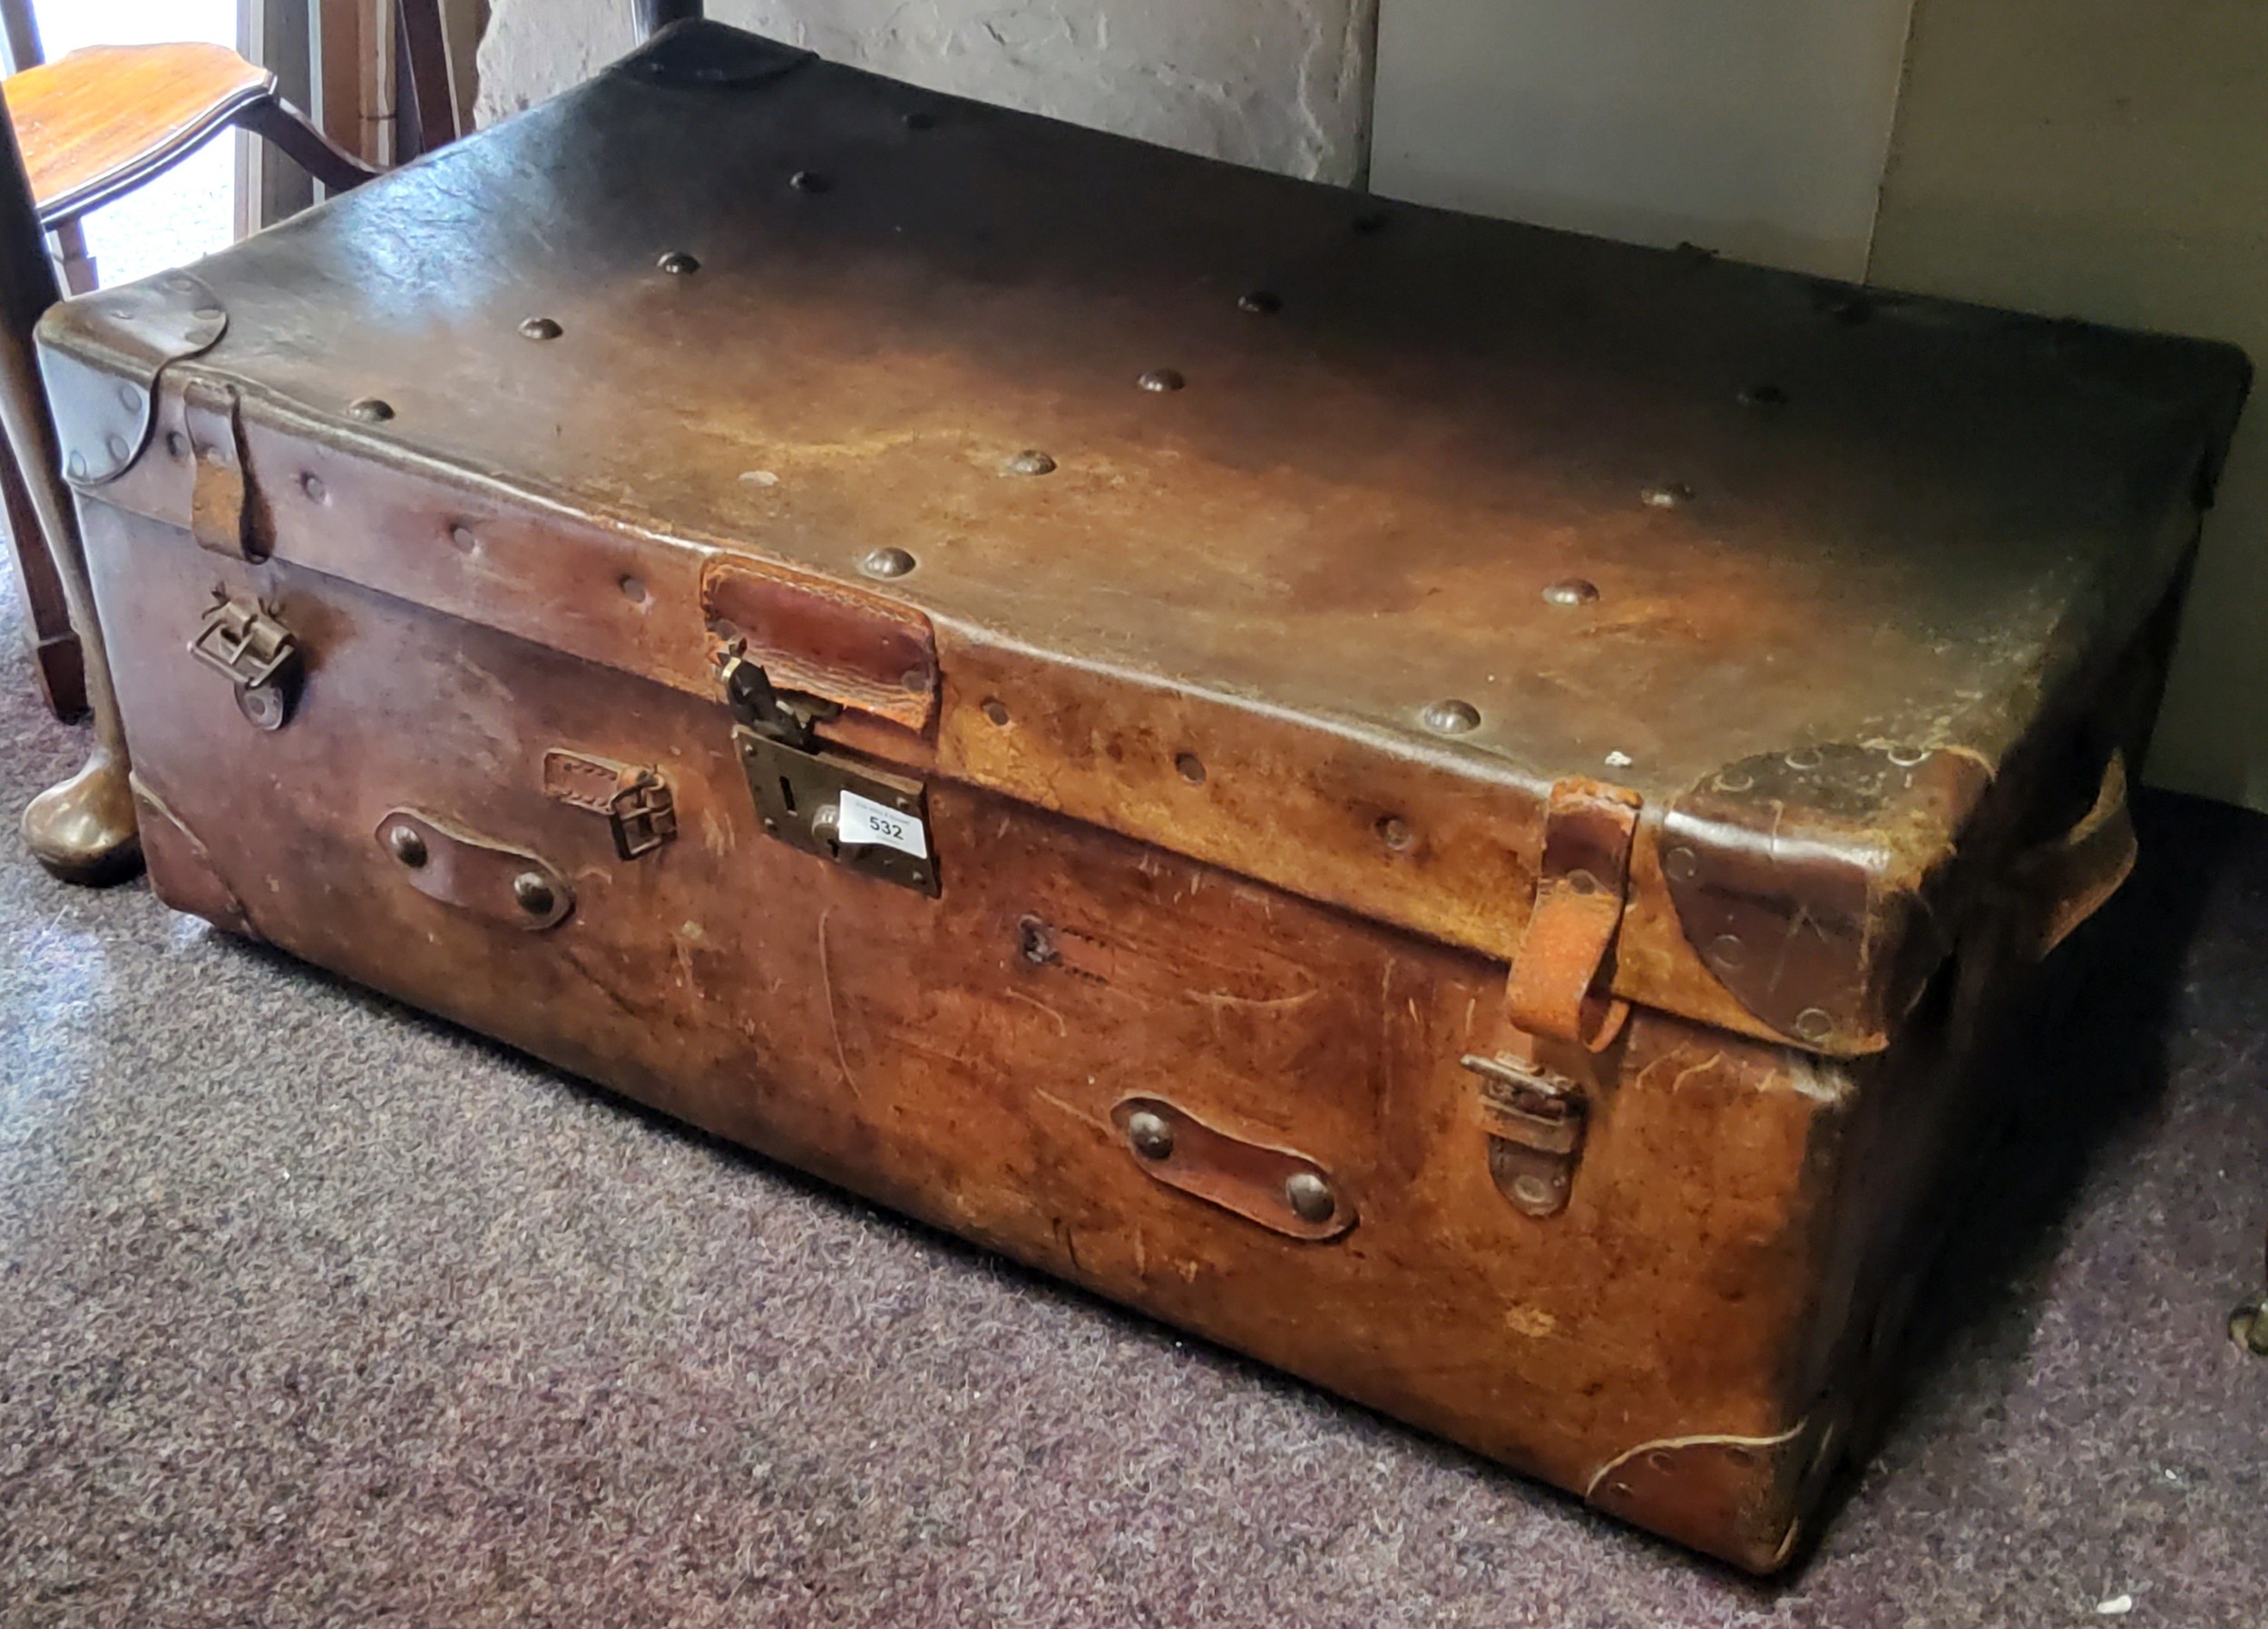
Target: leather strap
x: 220, y: 514
x: 2074, y: 876
x: 1580, y: 885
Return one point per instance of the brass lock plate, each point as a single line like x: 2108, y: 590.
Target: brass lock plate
x: 827, y: 803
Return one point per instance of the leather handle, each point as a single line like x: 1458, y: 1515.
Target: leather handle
x: 2072, y: 877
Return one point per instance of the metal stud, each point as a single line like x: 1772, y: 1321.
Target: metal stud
x: 1190, y: 767
x: 371, y: 410
x: 176, y: 444
x: 264, y: 707
x: 540, y: 327
x: 533, y: 893
x: 1725, y: 950
x: 1804, y: 758
x: 1682, y: 864
x: 1309, y: 1196
x: 1906, y: 757
x: 407, y: 846
x: 1669, y: 494
x: 886, y: 562
x: 996, y: 710
x: 1815, y: 1024
x: 1571, y: 590
x: 1450, y: 718
x: 1734, y: 780
x: 808, y: 180
x: 1029, y: 461
x: 117, y: 448
x: 1159, y: 380
x: 129, y: 398
x: 311, y: 484
x: 1394, y: 831
x: 1260, y: 302
x: 679, y: 264
x: 76, y: 468
x: 1151, y: 1134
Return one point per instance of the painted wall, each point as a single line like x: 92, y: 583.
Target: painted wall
x: 1283, y: 85
x: 2105, y: 160
x: 1755, y: 128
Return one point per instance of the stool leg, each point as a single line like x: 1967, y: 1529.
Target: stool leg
x: 83, y: 829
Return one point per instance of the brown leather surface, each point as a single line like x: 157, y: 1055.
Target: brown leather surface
x: 1817, y: 521
x: 918, y: 1051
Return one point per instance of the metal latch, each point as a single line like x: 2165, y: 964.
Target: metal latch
x: 246, y: 640
x: 639, y: 809
x: 1558, y: 997
x: 1534, y: 1118
x: 815, y: 797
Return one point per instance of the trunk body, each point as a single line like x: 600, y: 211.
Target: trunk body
x: 1506, y: 915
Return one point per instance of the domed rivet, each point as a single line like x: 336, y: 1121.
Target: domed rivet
x: 371, y: 410
x: 129, y: 398
x: 1029, y: 461
x: 1309, y: 1196
x: 1669, y: 495
x: 1159, y: 380
x: 1813, y: 1024
x: 679, y: 264
x: 1452, y: 717
x: 1734, y: 780
x: 312, y: 485
x: 406, y: 844
x: 886, y: 562
x: 540, y: 327
x: 808, y: 180
x: 1906, y: 757
x: 1682, y: 864
x: 1534, y: 1191
x: 1149, y: 1134
x: 1571, y: 590
x: 533, y: 893
x: 1725, y: 950
x: 76, y: 468
x: 263, y: 706
x: 996, y: 710
x: 117, y: 448
x: 1260, y: 302
x: 176, y: 444
x: 1190, y: 767
x: 1394, y: 833
x: 1804, y: 758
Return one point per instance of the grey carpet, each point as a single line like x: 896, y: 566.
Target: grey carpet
x: 314, y: 1310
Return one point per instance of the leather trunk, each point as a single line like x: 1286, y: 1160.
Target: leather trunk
x: 1451, y: 806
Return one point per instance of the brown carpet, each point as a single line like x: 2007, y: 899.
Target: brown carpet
x: 313, y: 1310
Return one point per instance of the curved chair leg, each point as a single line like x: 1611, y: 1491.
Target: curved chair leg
x: 83, y: 830
x: 278, y: 122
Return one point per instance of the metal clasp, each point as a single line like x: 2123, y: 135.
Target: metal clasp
x: 818, y: 798
x: 1534, y: 1118
x: 246, y: 641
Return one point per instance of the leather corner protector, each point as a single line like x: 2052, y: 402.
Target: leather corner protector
x: 1797, y: 879
x: 102, y: 384
x: 182, y: 873
x: 1739, y: 1499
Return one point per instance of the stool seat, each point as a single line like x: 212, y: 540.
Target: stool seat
x: 102, y: 121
